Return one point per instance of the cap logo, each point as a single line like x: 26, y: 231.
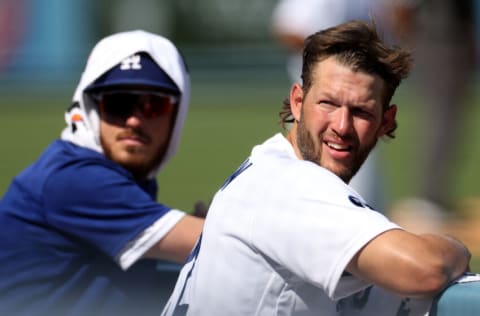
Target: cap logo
x: 138, y: 69
x: 131, y: 63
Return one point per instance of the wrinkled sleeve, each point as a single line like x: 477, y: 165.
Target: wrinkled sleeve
x: 317, y: 230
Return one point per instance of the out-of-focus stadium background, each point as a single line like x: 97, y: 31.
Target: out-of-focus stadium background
x: 238, y: 83
x: 238, y: 78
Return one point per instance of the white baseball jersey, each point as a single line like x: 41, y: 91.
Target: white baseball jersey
x: 276, y: 241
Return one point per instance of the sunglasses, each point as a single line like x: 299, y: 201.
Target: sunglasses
x: 122, y: 104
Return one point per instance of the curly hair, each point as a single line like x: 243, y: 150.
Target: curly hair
x: 355, y: 44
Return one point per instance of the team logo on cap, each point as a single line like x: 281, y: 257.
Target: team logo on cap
x: 131, y: 63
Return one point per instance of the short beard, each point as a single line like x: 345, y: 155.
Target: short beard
x: 140, y: 169
x: 309, y: 152
x: 306, y: 145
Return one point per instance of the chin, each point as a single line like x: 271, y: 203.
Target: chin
x: 131, y: 160
x: 345, y: 176
x: 340, y: 171
x: 138, y: 169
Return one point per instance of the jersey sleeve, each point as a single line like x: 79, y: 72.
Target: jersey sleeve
x: 102, y: 207
x: 317, y: 242
x: 316, y: 231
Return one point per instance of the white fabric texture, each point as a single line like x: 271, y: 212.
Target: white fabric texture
x: 277, y: 240
x: 83, y: 122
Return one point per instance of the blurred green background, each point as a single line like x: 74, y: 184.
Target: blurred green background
x: 225, y: 120
x: 238, y: 83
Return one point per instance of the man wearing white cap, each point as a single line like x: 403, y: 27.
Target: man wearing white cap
x: 81, y: 230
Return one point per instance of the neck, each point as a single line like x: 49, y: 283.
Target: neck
x: 292, y: 138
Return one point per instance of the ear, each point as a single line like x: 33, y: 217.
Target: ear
x: 296, y: 101
x: 388, y: 120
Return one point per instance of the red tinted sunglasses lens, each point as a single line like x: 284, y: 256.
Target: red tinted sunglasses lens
x: 155, y: 105
x: 122, y: 105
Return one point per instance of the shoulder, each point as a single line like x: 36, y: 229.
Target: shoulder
x: 68, y: 158
x: 276, y: 169
x: 74, y: 171
x: 61, y: 163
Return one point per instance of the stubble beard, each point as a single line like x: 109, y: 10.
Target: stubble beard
x: 137, y: 163
x: 310, y: 152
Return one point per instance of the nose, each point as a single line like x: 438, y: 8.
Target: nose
x: 136, y: 117
x: 342, y: 121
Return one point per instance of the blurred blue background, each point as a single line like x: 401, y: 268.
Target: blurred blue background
x: 44, y: 43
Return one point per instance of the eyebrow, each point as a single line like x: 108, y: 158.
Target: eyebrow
x: 334, y: 99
